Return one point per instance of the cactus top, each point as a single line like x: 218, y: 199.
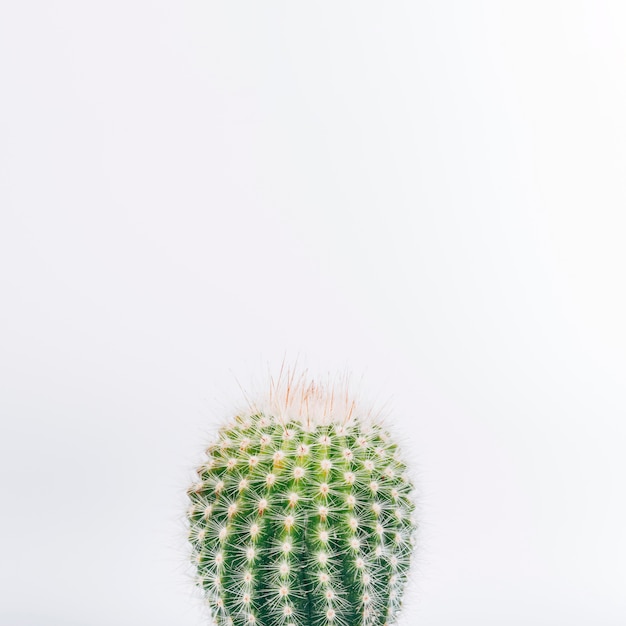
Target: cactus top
x: 295, y: 522
x: 309, y: 402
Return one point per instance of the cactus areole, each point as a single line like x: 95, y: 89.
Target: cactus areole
x: 302, y: 515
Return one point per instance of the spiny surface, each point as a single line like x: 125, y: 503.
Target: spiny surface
x: 302, y: 527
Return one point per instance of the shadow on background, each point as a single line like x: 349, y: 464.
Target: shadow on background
x: 14, y: 619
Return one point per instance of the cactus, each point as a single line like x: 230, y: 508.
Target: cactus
x: 302, y: 515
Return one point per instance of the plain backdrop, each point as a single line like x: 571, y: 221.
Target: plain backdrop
x: 429, y: 194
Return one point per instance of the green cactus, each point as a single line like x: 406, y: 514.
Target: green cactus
x: 302, y: 522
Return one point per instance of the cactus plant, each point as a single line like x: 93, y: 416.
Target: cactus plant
x: 302, y: 515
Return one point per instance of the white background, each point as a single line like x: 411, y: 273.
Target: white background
x: 431, y: 194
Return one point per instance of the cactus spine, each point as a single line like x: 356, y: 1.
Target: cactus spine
x: 300, y: 522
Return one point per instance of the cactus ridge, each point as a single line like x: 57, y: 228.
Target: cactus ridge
x: 297, y: 526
